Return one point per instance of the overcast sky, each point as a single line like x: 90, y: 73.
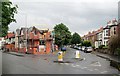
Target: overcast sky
x: 79, y: 16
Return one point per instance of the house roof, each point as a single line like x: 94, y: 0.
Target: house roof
x: 112, y: 22
x: 10, y: 35
x: 106, y: 27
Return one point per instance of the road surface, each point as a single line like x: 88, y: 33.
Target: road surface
x: 44, y: 64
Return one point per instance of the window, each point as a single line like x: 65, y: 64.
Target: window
x: 42, y: 42
x: 50, y: 36
x: 114, y: 31
x: 106, y: 32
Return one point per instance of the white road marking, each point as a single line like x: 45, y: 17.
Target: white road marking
x: 96, y: 69
x: 66, y: 64
x: 77, y: 65
x: 90, y: 69
x: 73, y: 65
x: 96, y: 64
x: 84, y: 67
x: 61, y: 63
x: 83, y: 58
x: 104, y: 72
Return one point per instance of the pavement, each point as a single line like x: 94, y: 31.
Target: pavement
x: 44, y: 64
x: 107, y: 56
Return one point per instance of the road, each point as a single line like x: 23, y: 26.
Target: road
x: 43, y: 64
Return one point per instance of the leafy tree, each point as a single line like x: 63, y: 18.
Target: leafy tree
x: 86, y: 43
x: 8, y: 10
x: 76, y: 39
x: 62, y: 34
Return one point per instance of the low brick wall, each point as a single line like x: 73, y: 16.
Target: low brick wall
x: 105, y: 51
x: 115, y: 64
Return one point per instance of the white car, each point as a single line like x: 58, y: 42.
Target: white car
x: 83, y: 48
x: 79, y: 48
x: 88, y: 50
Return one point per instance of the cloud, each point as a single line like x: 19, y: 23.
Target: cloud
x: 79, y: 15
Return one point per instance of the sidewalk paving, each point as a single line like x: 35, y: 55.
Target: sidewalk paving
x: 17, y: 54
x: 107, y: 56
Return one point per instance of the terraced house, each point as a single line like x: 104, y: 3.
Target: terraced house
x: 103, y: 34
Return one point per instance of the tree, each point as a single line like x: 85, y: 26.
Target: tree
x: 8, y: 11
x: 86, y: 43
x: 62, y: 34
x: 76, y: 39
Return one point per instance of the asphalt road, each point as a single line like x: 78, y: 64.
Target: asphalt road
x: 44, y: 64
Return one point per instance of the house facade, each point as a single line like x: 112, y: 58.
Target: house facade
x: 113, y: 24
x: 91, y: 36
x: 99, y: 34
x: 20, y: 40
x: 106, y: 35
x: 10, y: 42
x: 2, y: 42
x: 102, y: 35
x: 34, y: 41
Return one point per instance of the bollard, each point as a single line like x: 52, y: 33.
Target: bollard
x: 77, y: 54
x: 60, y: 56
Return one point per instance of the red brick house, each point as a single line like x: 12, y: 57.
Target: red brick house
x: 10, y: 42
x: 34, y: 41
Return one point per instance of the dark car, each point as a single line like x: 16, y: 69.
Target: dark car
x: 63, y: 49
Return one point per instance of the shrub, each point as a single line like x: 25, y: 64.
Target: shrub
x: 101, y: 46
x: 86, y: 43
x: 118, y: 51
x: 93, y: 47
x: 105, y: 47
x: 114, y: 43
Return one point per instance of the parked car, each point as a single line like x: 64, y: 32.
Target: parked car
x: 72, y: 46
x: 63, y: 49
x: 83, y: 48
x: 88, y: 50
x: 79, y: 48
x: 75, y: 47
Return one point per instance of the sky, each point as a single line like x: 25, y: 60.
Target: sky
x: 79, y: 16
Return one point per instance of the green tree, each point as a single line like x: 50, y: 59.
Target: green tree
x: 62, y: 34
x: 86, y: 43
x: 7, y: 12
x: 76, y: 39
